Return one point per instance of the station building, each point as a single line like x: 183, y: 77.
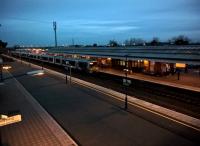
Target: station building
x: 157, y: 60
x: 154, y: 60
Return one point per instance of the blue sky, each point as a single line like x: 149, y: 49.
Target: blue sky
x: 29, y: 22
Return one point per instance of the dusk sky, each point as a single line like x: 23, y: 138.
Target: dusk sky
x: 30, y: 22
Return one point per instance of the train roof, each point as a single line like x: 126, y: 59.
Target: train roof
x: 77, y: 59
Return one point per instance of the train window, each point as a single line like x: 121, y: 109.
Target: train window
x: 63, y: 62
x: 57, y: 60
x: 72, y: 63
x: 122, y: 63
x: 51, y: 59
x: 44, y: 58
x: 82, y: 65
x: 93, y: 64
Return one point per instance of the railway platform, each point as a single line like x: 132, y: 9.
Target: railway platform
x: 37, y: 127
x: 178, y: 117
x: 188, y: 81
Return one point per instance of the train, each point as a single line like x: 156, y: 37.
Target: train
x: 86, y: 65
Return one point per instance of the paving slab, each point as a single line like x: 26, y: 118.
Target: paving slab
x: 37, y: 127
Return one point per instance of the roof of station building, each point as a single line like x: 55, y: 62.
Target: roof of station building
x: 189, y: 54
x: 182, y: 54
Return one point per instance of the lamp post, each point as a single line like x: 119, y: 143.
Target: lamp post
x: 68, y: 66
x: 29, y: 60
x: 55, y: 27
x: 42, y: 65
x: 3, y: 67
x: 21, y: 56
x: 1, y: 72
x: 178, y: 73
x: 126, y: 83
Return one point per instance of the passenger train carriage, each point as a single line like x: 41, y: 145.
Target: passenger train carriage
x: 85, y: 65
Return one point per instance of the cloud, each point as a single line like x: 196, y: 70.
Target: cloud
x: 99, y: 26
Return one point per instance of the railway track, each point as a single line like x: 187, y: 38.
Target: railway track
x: 181, y: 100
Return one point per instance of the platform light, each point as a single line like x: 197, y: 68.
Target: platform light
x: 7, y: 67
x: 108, y: 58
x: 36, y: 72
x: 41, y: 73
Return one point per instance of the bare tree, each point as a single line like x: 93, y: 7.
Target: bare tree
x: 134, y: 42
x: 155, y: 41
x: 113, y: 43
x: 181, y: 40
x: 3, y: 44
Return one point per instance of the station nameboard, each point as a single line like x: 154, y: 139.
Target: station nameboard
x: 180, y: 65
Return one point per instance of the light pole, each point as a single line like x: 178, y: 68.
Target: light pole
x: 70, y: 73
x: 1, y: 68
x: 126, y: 83
x: 29, y: 58
x: 42, y: 65
x: 1, y: 71
x: 21, y: 56
x: 55, y: 27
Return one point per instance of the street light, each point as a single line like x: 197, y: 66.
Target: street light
x: 68, y: 66
x: 7, y: 67
x: 3, y: 67
x: 126, y: 82
x: 21, y: 55
x: 1, y: 72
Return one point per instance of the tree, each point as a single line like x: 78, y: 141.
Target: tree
x: 3, y: 44
x: 94, y: 45
x: 113, y: 43
x: 181, y: 40
x: 134, y: 42
x: 155, y: 41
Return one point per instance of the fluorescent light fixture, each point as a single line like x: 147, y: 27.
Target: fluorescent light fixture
x: 7, y: 67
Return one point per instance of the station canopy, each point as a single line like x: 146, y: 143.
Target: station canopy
x: 171, y: 54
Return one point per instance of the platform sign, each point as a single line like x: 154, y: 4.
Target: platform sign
x: 126, y: 82
x: 180, y: 65
x: 5, y: 120
x: 67, y: 62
